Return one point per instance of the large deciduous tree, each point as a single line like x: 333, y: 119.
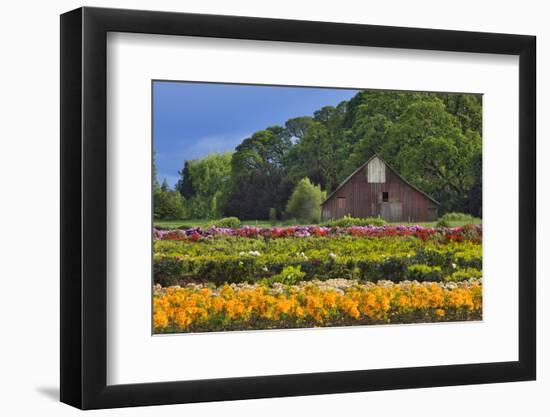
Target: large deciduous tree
x: 369, y: 118
x: 258, y: 173
x: 322, y: 151
x: 297, y: 127
x: 432, y: 139
x: 207, y: 182
x: 428, y: 146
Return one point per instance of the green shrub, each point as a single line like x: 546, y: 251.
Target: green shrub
x: 355, y: 221
x: 231, y: 222
x: 236, y: 259
x: 448, y: 219
x: 305, y: 202
x: 443, y: 223
x: 167, y: 270
x: 457, y: 217
x: 468, y: 259
x: 290, y: 275
x: 422, y: 272
x: 463, y: 275
x: 375, y: 268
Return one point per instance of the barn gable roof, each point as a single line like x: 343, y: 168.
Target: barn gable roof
x: 391, y: 168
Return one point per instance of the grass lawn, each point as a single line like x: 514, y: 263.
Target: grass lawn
x: 174, y: 224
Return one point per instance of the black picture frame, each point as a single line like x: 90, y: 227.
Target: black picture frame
x: 84, y: 207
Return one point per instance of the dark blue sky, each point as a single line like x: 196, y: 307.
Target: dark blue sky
x: 192, y: 119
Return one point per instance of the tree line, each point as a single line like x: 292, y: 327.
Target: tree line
x: 432, y: 139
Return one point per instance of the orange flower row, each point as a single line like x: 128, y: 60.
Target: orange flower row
x: 310, y: 305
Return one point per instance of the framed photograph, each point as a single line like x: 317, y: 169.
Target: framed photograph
x: 257, y: 208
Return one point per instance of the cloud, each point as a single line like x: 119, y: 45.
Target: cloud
x: 208, y: 144
x: 197, y: 148
x: 170, y: 162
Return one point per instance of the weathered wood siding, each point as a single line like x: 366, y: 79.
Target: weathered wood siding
x: 358, y: 197
x: 376, y: 171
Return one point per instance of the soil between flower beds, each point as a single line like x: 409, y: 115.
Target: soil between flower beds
x: 333, y: 302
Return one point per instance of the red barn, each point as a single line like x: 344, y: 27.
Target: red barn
x: 376, y: 189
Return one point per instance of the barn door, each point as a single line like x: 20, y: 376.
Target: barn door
x: 341, y: 207
x: 391, y: 212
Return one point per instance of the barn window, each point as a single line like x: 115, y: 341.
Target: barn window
x: 385, y: 196
x: 341, y: 202
x: 376, y: 171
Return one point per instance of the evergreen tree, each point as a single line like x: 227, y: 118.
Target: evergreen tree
x: 185, y: 182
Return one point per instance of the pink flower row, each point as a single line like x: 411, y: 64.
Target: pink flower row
x: 469, y: 232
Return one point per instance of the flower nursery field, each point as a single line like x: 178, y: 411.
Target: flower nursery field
x: 218, y: 279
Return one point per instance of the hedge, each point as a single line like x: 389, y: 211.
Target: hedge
x: 235, y: 260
